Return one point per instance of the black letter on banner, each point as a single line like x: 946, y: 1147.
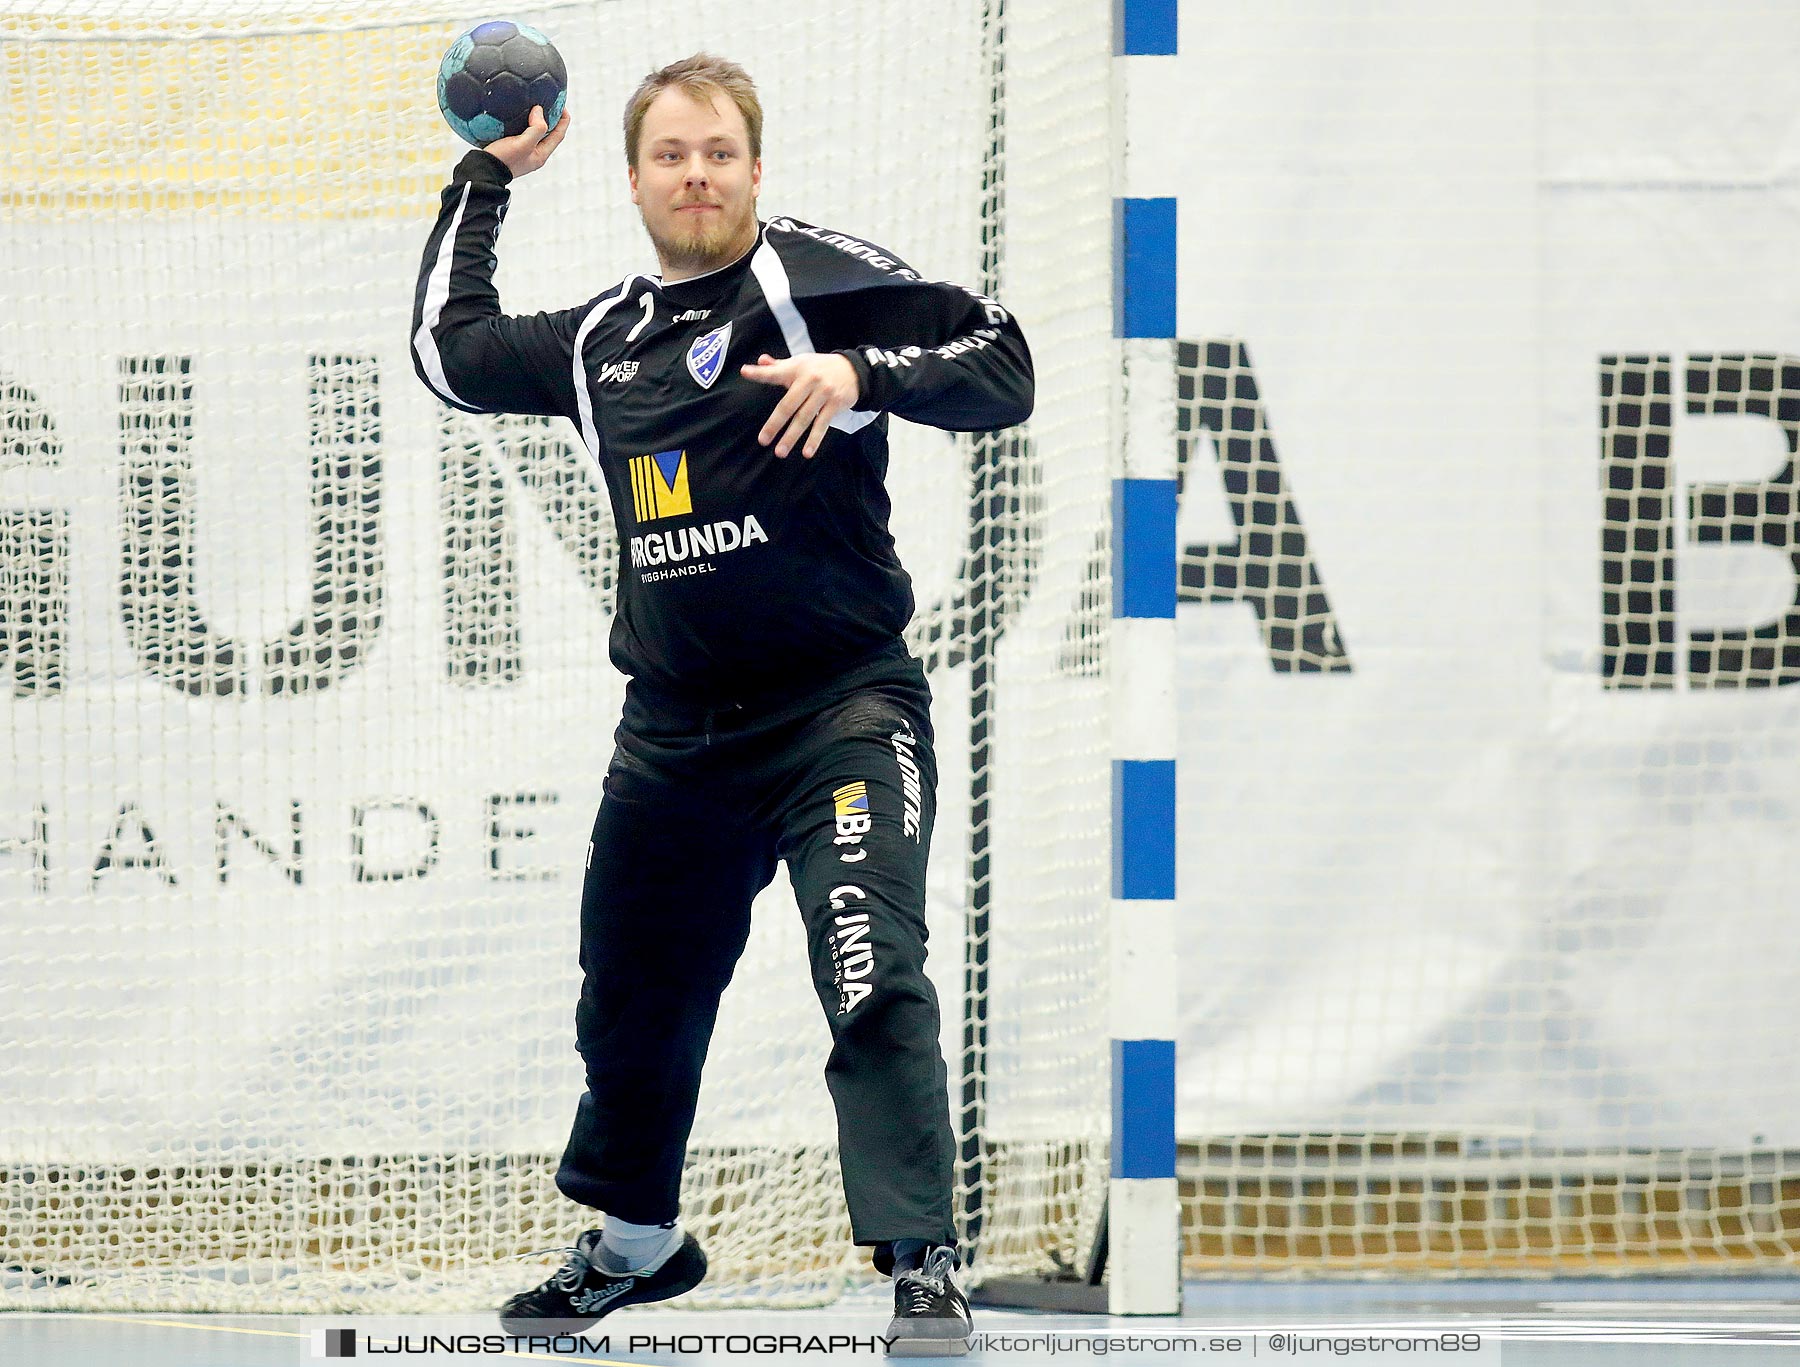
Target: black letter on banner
x: 1755, y: 512
x: 38, y: 844
x: 34, y: 554
x: 150, y: 857
x: 1637, y: 558
x: 344, y: 436
x: 481, y: 578
x: 163, y: 621
x: 162, y: 615
x: 994, y: 580
x: 359, y: 817
x: 502, y: 832
x: 1268, y: 565
x: 1637, y: 537
x: 225, y: 821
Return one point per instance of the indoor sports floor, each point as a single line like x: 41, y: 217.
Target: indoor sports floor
x: 1744, y: 1322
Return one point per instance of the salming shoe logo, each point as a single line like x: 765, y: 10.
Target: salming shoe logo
x: 589, y: 1301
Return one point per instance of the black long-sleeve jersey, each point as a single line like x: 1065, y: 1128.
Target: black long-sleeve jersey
x: 740, y: 575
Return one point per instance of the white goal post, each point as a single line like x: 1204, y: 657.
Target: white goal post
x: 303, y: 692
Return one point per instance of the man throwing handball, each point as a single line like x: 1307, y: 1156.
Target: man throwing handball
x: 771, y: 701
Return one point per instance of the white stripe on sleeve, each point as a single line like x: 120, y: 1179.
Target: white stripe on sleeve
x: 585, y: 405
x: 773, y: 277
x: 437, y: 292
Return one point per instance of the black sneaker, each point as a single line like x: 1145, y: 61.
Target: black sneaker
x: 582, y: 1292
x: 931, y: 1314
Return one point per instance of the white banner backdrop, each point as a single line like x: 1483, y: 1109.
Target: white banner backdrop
x: 1461, y: 885
x: 1466, y: 885
x: 304, y: 694
x: 249, y: 916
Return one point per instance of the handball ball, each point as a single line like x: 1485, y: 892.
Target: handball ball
x: 493, y: 75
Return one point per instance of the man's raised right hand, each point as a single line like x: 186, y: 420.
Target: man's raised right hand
x: 524, y: 152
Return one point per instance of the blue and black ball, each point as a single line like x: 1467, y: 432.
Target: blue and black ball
x: 493, y: 75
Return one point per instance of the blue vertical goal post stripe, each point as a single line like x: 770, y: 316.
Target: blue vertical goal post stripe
x: 1144, y: 267
x: 1144, y: 560
x: 1143, y: 1108
x: 1143, y: 809
x: 1145, y: 28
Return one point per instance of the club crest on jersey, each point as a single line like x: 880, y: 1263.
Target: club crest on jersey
x: 706, y: 357
x: 659, y: 486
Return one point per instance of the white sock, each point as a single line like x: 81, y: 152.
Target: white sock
x: 637, y: 1248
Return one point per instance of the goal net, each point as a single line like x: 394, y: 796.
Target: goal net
x: 1488, y: 641
x: 304, y: 700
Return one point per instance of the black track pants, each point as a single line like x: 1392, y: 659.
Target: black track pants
x: 699, y: 806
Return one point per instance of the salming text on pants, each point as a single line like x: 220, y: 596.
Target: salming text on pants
x: 699, y: 806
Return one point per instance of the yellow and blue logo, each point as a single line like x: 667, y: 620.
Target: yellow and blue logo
x: 850, y: 808
x: 659, y: 486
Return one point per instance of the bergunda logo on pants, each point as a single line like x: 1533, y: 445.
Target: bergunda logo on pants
x: 852, y: 953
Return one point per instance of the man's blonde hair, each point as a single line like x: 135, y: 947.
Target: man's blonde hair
x: 701, y: 77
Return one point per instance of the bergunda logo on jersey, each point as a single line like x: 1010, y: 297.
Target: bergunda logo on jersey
x: 706, y: 357
x: 661, y: 488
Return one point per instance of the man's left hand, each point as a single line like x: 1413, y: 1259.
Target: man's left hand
x: 819, y: 387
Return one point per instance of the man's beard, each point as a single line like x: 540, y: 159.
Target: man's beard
x: 705, y: 246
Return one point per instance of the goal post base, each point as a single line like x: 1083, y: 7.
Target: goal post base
x: 1065, y: 1292
x: 1069, y: 1296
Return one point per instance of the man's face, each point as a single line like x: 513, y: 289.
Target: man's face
x: 695, y: 182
